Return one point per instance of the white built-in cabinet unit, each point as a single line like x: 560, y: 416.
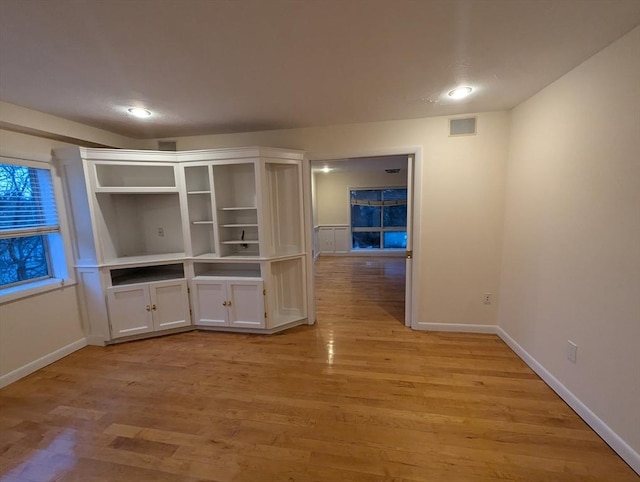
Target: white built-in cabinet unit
x: 172, y: 241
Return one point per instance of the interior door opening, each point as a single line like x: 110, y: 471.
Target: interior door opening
x: 362, y: 235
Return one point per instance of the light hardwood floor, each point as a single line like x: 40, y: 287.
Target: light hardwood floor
x: 357, y: 397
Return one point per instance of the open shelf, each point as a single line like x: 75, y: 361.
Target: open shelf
x: 146, y: 274
x: 199, y: 205
x: 197, y: 179
x: 237, y: 211
x: 122, y: 176
x: 284, y: 193
x: 238, y: 270
x: 137, y: 190
x: 142, y: 259
x: 239, y: 249
x: 139, y: 225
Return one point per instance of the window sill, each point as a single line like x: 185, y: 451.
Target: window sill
x: 23, y: 291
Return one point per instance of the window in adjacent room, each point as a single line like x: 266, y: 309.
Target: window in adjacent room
x: 379, y: 218
x: 31, y: 247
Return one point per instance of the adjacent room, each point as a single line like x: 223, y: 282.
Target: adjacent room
x: 299, y: 240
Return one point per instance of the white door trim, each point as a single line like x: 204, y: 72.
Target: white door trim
x: 412, y: 281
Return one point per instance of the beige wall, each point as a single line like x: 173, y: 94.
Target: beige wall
x: 461, y: 200
x: 34, y: 327
x: 571, y: 265
x: 39, y: 125
x: 333, y: 191
x: 26, y: 145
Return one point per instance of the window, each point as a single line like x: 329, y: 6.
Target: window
x: 379, y: 218
x: 31, y: 247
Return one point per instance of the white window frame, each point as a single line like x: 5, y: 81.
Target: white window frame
x: 59, y: 252
x: 380, y: 229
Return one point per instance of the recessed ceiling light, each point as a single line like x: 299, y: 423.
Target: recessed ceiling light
x: 139, y: 112
x: 460, y: 92
x: 325, y: 169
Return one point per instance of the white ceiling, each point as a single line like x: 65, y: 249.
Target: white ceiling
x: 209, y: 66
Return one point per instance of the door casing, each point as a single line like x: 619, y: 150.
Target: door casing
x: 414, y: 174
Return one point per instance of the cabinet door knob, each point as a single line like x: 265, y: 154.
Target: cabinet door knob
x: 148, y: 308
x: 228, y: 303
x: 224, y: 303
x: 153, y: 307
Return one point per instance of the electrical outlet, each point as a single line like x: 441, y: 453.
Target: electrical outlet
x: 161, y: 232
x: 572, y: 351
x: 486, y: 298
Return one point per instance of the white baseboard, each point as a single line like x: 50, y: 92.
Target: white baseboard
x: 623, y: 449
x: 42, y: 362
x: 456, y: 327
x: 380, y: 252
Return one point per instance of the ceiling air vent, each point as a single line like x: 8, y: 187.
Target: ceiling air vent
x: 462, y: 127
x: 392, y: 171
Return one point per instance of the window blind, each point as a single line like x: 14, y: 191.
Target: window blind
x: 27, y: 202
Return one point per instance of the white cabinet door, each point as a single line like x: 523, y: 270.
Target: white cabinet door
x: 209, y: 300
x: 169, y: 304
x: 246, y: 304
x: 129, y: 310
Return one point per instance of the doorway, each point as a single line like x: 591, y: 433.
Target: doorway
x: 362, y: 217
x: 358, y: 289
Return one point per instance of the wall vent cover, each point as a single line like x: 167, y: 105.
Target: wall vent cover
x: 167, y: 146
x: 462, y: 127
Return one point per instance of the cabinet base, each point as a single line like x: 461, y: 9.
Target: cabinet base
x: 99, y: 341
x: 257, y: 331
x: 144, y: 336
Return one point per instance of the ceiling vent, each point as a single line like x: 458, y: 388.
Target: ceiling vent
x: 462, y: 127
x: 392, y: 171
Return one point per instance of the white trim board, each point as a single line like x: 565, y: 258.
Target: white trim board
x: 621, y: 447
x: 41, y: 362
x: 456, y: 327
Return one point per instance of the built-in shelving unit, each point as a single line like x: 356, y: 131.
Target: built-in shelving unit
x: 227, y: 223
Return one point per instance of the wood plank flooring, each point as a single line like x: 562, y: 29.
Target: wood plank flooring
x: 357, y: 397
